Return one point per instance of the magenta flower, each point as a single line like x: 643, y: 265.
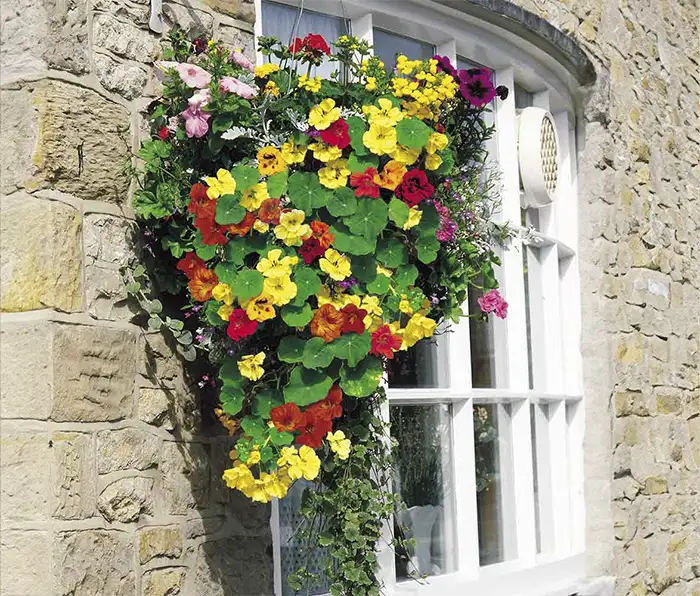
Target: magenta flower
x: 193, y: 75
x: 493, y: 302
x: 445, y: 65
x: 242, y: 61
x: 233, y: 85
x: 476, y: 86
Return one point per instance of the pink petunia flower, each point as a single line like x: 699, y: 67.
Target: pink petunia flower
x: 197, y: 120
x: 493, y: 302
x: 193, y: 75
x: 242, y: 61
x: 233, y: 85
x: 199, y: 98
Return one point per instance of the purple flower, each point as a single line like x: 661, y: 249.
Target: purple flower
x: 502, y: 92
x: 347, y: 283
x: 476, y: 88
x: 200, y: 45
x: 493, y: 302
x: 445, y: 65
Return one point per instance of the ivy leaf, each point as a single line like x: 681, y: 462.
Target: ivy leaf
x: 364, y: 268
x: 356, y: 128
x: 306, y: 193
x: 380, y: 285
x: 398, y: 212
x: 306, y: 386
x: 405, y: 276
x: 229, y: 211
x: 391, y: 253
x: 317, y: 354
x: 353, y: 347
x: 344, y: 241
x: 204, y: 251
x: 342, y: 202
x: 359, y: 163
x: 245, y: 177
x: 231, y: 399
x: 264, y: 401
x: 277, y: 184
x: 291, y: 349
x: 369, y: 218
x: 412, y: 133
x: 249, y: 283
x: 363, y: 379
x: 297, y: 316
x: 146, y: 206
x: 226, y: 272
x: 308, y: 283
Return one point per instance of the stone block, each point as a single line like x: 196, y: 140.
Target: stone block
x: 94, y: 562
x: 19, y: 128
x: 106, y: 296
x: 25, y: 488
x: 26, y: 563
x: 84, y: 143
x: 160, y: 542
x: 25, y: 371
x: 73, y: 475
x: 128, y: 80
x: 109, y: 239
x: 154, y: 407
x: 243, y: 10
x: 655, y: 485
x: 237, y: 38
x: 184, y: 477
x: 126, y: 499
x: 39, y: 270
x: 162, y: 582
x: 137, y: 13
x: 94, y: 370
x: 644, y: 286
x: 195, y: 23
x: 127, y: 448
x: 124, y: 39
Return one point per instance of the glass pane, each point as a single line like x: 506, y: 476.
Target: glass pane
x: 423, y: 478
x: 539, y: 429
x: 416, y: 368
x: 388, y: 45
x: 278, y: 20
x: 494, y: 499
x: 523, y: 98
x: 481, y: 339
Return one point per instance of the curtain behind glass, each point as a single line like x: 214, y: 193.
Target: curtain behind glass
x: 388, y: 45
x: 278, y: 21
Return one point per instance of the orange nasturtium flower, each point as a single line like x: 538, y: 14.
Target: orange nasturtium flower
x: 242, y: 228
x: 202, y: 284
x: 391, y: 175
x: 327, y: 323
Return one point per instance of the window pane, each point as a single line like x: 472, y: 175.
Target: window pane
x: 539, y: 429
x: 388, y: 45
x: 423, y: 478
x: 481, y: 339
x: 495, y: 499
x: 278, y: 20
x: 417, y: 367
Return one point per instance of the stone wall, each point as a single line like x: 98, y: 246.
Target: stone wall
x: 110, y: 483
x: 639, y: 187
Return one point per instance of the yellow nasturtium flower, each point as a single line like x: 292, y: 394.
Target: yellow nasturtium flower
x: 335, y: 174
x: 250, y: 366
x: 324, y: 114
x: 380, y: 139
x: 238, y: 477
x: 293, y: 153
x: 303, y: 463
x: 339, y: 444
x: 405, y: 155
x: 414, y: 217
x: 253, y: 456
x: 436, y: 142
x: 276, y: 265
x: 405, y: 305
x: 270, y: 161
x: 261, y: 226
x: 225, y: 311
x: 387, y: 114
x: 223, y: 184
x: 282, y: 289
x: 324, y: 152
x: 418, y: 327
x: 254, y: 196
x: 292, y: 230
x: 261, y: 308
x: 222, y: 293
x: 433, y: 162
x: 335, y: 265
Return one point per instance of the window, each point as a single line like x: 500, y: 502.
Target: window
x: 488, y: 419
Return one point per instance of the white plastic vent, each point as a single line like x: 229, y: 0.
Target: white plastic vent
x: 538, y: 157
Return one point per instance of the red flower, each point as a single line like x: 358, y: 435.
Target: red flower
x: 199, y: 200
x: 189, y: 264
x: 202, y: 283
x: 311, y: 249
x: 384, y: 342
x: 315, y: 42
x: 337, y: 134
x: 364, y: 185
x: 314, y: 429
x: 269, y: 211
x: 354, y: 319
x: 240, y: 326
x: 320, y: 232
x: 296, y: 46
x: 163, y: 133
x: 440, y: 128
x: 212, y: 233
x: 242, y: 228
x: 414, y: 188
x: 287, y: 417
x: 329, y: 407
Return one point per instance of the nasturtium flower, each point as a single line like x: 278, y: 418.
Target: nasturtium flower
x: 364, y: 184
x: 339, y: 444
x: 384, y: 342
x: 337, y: 134
x: 261, y: 226
x: 265, y: 70
x: 287, y: 417
x: 311, y: 249
x: 253, y: 457
x: 330, y: 406
x: 222, y: 293
x: 405, y: 155
x: 243, y: 227
x: 261, y: 308
x: 436, y: 142
x: 433, y: 162
x: 354, y: 319
x: 312, y: 84
x: 324, y: 152
x: 414, y: 188
x: 282, y: 289
x: 239, y: 325
x: 275, y: 487
x: 324, y: 114
x: 327, y: 323
x: 314, y: 429
x: 270, y: 161
x: 276, y: 265
x: 303, y: 463
x: 293, y: 153
x: 414, y: 217
x: 391, y: 176
x: 380, y: 139
x: 335, y: 265
x: 371, y: 305
x: 189, y: 264
x: 250, y: 366
x: 238, y: 477
x: 253, y: 197
x: 202, y: 283
x: 270, y: 211
x: 223, y: 184
x: 405, y: 305
x: 384, y: 271
x: 291, y: 229
x: 320, y: 231
x: 225, y: 311
x: 335, y: 174
x: 387, y: 114
x: 418, y: 327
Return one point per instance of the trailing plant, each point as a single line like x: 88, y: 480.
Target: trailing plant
x: 312, y: 229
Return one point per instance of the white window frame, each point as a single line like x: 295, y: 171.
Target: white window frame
x: 555, y: 337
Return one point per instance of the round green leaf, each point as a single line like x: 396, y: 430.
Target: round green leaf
x: 429, y: 221
x: 349, y: 243
x: 277, y: 184
x: 236, y: 250
x: 363, y: 379
x: 398, y: 212
x: 405, y: 276
x: 245, y: 177
x: 391, y: 253
x: 352, y: 347
x: 229, y: 374
x: 205, y: 252
x: 306, y: 193
x: 308, y: 283
x: 281, y: 438
x: 231, y: 399
x: 427, y: 249
x: 364, y: 268
x: 356, y: 129
x: 291, y: 349
x: 412, y: 133
x: 317, y: 353
x: 380, y: 285
x: 226, y: 272
x: 297, y: 316
x: 264, y: 401
x: 249, y: 283
x: 306, y: 386
x: 229, y: 211
x: 255, y: 428
x: 369, y: 218
x: 359, y: 163
x: 342, y: 202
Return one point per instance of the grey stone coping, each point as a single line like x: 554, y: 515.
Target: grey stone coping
x: 532, y: 28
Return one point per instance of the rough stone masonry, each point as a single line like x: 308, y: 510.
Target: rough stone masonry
x: 109, y: 483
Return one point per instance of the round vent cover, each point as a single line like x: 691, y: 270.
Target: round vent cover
x: 538, y: 156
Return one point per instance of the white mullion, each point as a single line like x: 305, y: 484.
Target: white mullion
x: 386, y: 572
x: 559, y: 478
x: 513, y: 329
x: 575, y: 424
x: 361, y: 27
x: 449, y: 49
